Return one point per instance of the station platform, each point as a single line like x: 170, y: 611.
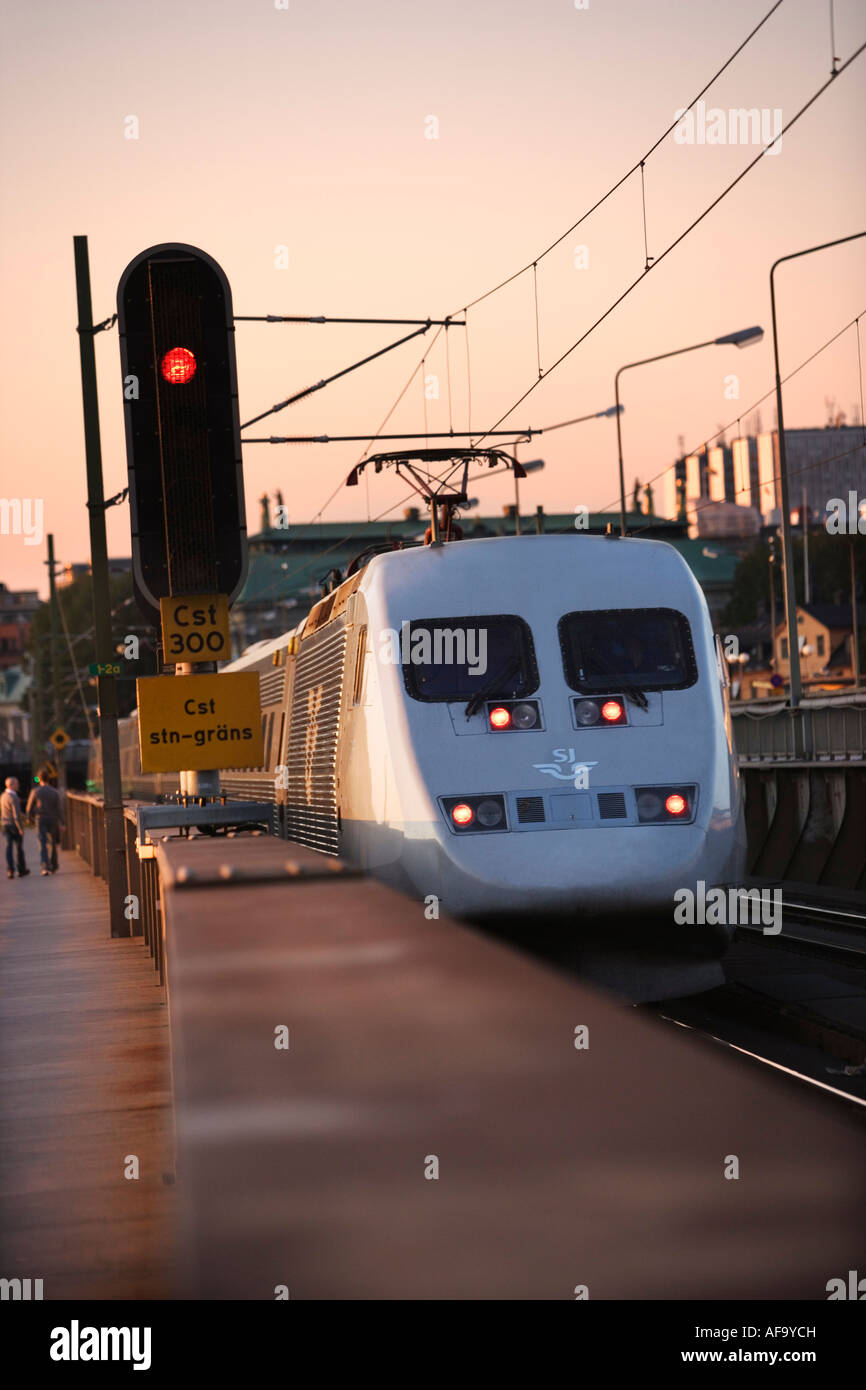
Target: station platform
x: 84, y: 1086
x: 431, y: 1131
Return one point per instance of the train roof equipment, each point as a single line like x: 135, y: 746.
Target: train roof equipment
x: 437, y: 491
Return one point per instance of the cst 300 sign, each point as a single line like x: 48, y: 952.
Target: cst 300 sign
x: 195, y: 627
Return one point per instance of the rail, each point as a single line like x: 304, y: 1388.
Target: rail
x: 826, y: 729
x: 85, y: 834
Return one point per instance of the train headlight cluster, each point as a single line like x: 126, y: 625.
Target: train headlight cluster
x: 490, y: 813
x: 661, y: 804
x: 471, y: 814
x: 599, y: 713
x: 514, y: 714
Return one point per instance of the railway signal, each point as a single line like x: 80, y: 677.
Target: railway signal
x: 177, y: 351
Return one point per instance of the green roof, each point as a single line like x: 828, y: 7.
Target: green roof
x: 290, y: 565
x: 708, y: 561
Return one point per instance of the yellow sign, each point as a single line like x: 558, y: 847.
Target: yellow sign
x: 199, y: 722
x: 195, y: 627
x: 59, y: 738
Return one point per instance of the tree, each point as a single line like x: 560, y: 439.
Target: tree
x: 829, y: 575
x: 75, y: 602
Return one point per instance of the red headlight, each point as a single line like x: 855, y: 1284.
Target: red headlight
x: 178, y: 366
x: 675, y: 805
x: 611, y: 710
x: 461, y: 814
x: 500, y: 718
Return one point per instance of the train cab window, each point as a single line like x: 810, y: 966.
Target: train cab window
x: 488, y: 657
x: 647, y: 648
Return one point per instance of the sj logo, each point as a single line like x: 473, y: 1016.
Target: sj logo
x: 566, y: 767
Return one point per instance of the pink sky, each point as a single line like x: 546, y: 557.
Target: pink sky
x: 262, y: 127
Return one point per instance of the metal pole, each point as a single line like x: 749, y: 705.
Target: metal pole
x: 790, y: 599
x: 37, y: 729
x: 855, y: 629
x: 55, y: 665
x: 772, y: 610
x: 644, y: 362
x: 516, y: 498
x: 807, y: 588
x: 619, y: 455
x: 115, y: 873
x: 787, y: 553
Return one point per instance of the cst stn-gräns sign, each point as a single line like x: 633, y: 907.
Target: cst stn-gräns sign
x: 199, y: 722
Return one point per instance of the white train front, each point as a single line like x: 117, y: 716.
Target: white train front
x: 525, y: 725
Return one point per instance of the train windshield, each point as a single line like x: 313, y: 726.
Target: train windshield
x: 645, y: 648
x: 464, y: 658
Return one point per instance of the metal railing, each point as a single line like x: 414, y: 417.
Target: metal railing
x: 831, y: 728
x: 85, y: 834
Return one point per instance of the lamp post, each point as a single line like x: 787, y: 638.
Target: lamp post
x: 787, y: 551
x: 533, y: 466
x: 741, y: 338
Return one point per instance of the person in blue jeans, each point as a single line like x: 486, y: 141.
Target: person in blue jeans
x: 44, y: 803
x: 13, y: 829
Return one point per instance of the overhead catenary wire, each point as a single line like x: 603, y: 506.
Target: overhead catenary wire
x: 626, y: 176
x: 681, y: 112
x: 767, y: 394
x: 683, y: 234
x: 326, y: 381
x: 599, y: 202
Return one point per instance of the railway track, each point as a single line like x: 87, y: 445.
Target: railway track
x: 806, y: 1077
x: 793, y: 1002
x: 750, y: 1014
x: 831, y: 930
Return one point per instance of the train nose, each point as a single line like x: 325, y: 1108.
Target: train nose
x: 593, y: 872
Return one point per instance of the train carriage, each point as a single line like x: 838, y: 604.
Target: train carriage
x: 510, y: 725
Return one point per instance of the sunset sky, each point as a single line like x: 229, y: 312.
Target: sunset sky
x: 306, y: 128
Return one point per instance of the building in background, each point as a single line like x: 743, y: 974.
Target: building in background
x: 68, y: 573
x: 14, y: 722
x: 824, y: 634
x: 16, y: 614
x: 291, y: 567
x: 730, y: 490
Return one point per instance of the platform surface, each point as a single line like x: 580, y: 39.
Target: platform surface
x: 84, y: 1085
x: 418, y: 1046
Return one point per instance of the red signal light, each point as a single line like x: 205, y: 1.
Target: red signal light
x: 675, y: 805
x: 500, y: 718
x: 462, y: 814
x: 611, y: 710
x: 178, y: 366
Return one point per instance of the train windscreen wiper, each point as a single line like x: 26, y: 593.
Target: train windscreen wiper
x: 631, y: 692
x: 635, y: 694
x: 477, y: 700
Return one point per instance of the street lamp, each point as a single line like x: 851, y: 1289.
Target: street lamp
x: 742, y: 338
x: 533, y: 466
x: 787, y: 548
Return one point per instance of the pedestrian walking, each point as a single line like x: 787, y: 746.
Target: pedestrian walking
x: 13, y: 829
x: 44, y: 803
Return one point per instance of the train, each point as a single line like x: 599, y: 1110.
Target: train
x: 506, y: 726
